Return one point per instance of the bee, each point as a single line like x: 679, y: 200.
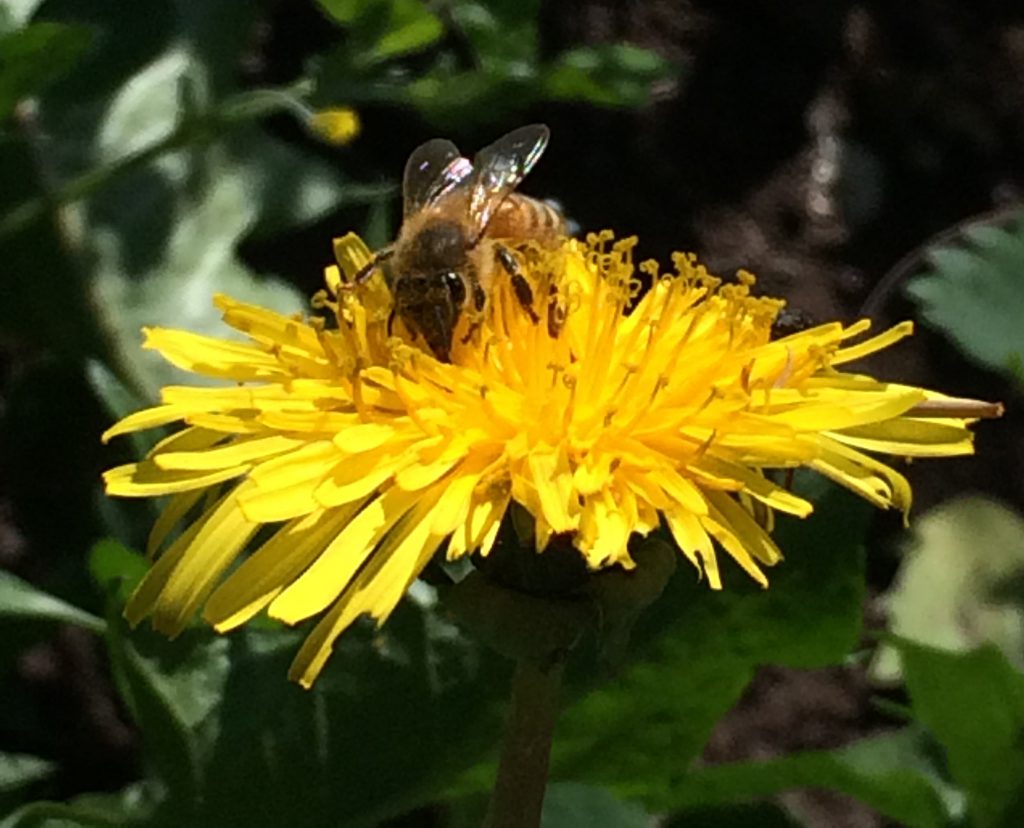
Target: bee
x: 461, y: 222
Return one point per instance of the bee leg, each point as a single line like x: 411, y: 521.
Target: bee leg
x: 479, y: 300
x: 523, y: 291
x: 367, y: 270
x: 556, y: 313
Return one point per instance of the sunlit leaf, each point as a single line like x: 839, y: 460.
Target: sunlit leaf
x: 292, y: 188
x: 18, y: 770
x: 972, y: 293
x: 18, y: 12
x: 947, y: 592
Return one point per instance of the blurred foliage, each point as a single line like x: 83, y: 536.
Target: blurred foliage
x: 972, y: 292
x: 488, y: 63
x: 955, y: 585
x: 135, y: 160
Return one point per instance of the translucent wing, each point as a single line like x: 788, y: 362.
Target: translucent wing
x: 500, y: 167
x: 433, y: 169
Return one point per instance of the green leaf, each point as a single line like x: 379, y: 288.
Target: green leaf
x: 28, y: 309
x: 119, y: 401
x: 173, y: 690
x: 470, y: 97
x: 948, y: 592
x: 891, y: 773
x: 164, y: 237
x: 292, y: 188
x: 34, y: 57
x: 17, y: 13
x: 388, y: 725
x: 19, y: 600
x: 18, y: 770
x: 411, y: 26
x: 155, y: 243
x: 345, y: 11
x: 91, y: 811
x: 607, y: 75
x: 393, y: 718
x: 571, y: 805
x: 504, y: 34
x: 974, y: 704
x: 972, y: 293
x: 385, y: 28
x: 117, y: 568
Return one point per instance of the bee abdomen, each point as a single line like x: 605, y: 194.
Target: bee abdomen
x: 521, y: 217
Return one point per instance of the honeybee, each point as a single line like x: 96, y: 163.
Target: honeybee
x: 461, y: 222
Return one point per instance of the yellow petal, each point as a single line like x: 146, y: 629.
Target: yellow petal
x: 756, y: 485
x: 911, y: 437
x: 147, y: 593
x: 679, y: 489
x: 147, y: 418
x: 242, y: 450
x: 692, y: 539
x: 553, y: 480
x: 223, y: 534
x: 273, y: 566
x: 876, y: 343
x: 331, y: 573
x: 214, y: 357
x: 352, y: 254
x: 376, y: 590
x: 146, y: 479
x: 176, y: 509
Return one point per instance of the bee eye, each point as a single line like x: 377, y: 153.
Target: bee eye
x: 456, y: 287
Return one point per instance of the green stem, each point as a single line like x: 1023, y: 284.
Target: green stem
x: 86, y: 184
x: 238, y: 109
x: 518, y: 793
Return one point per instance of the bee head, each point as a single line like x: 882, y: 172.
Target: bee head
x: 430, y: 306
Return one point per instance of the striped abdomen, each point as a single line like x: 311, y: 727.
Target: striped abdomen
x: 520, y: 217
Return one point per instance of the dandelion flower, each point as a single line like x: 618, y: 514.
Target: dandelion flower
x: 355, y: 455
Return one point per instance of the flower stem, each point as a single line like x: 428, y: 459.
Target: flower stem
x: 523, y: 768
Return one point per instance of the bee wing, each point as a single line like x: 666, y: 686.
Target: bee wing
x: 433, y: 169
x: 500, y: 167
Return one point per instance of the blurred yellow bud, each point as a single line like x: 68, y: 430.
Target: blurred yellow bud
x: 338, y: 126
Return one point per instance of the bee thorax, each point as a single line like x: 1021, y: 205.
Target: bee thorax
x: 439, y: 246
